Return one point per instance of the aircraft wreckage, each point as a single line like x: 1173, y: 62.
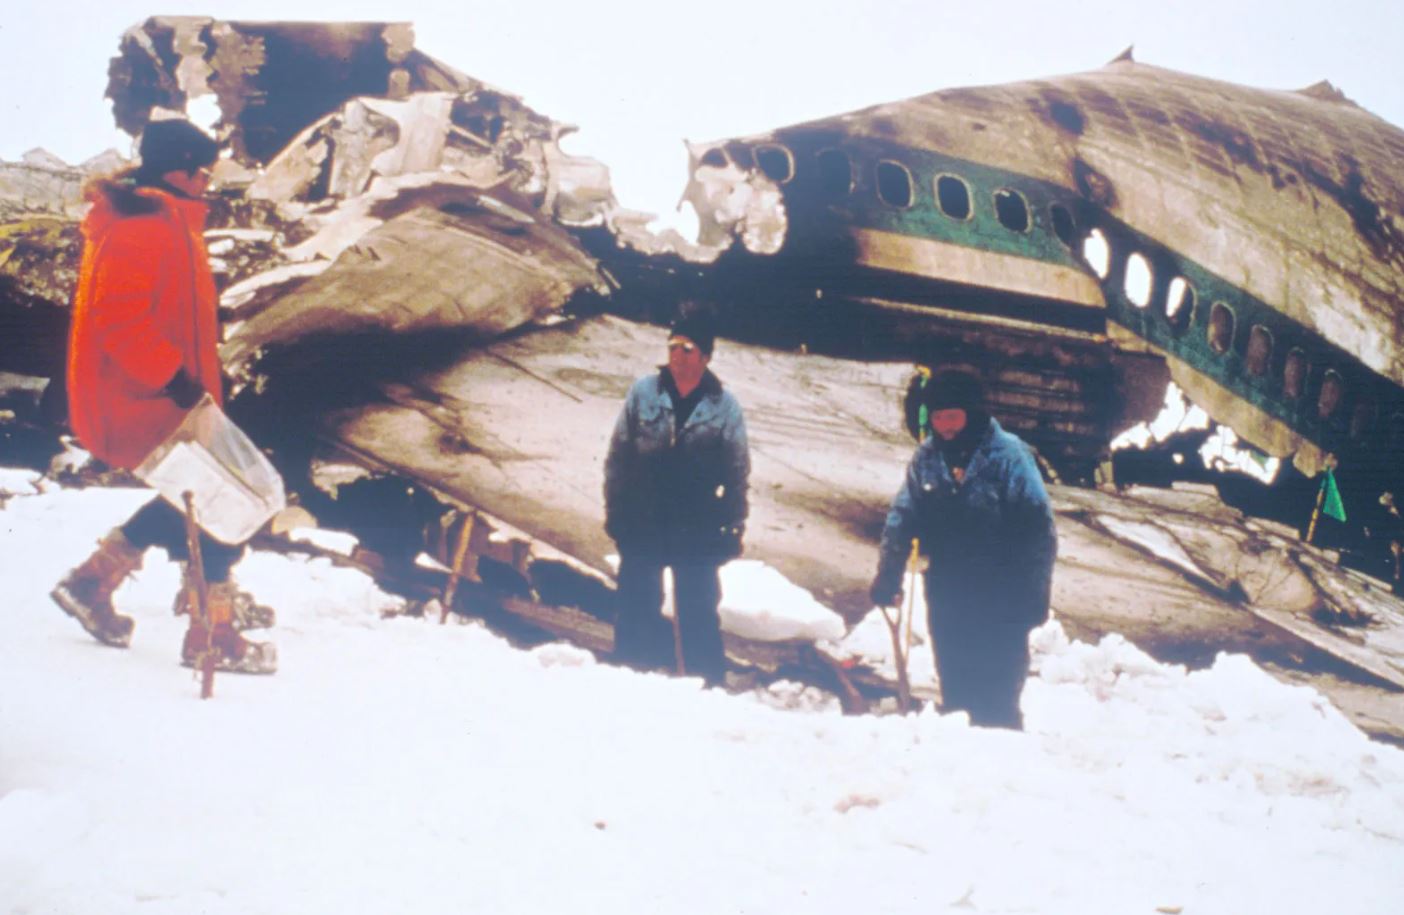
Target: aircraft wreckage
x: 1252, y: 238
x: 414, y: 277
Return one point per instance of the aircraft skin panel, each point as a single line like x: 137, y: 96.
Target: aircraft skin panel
x: 920, y: 172
x: 1268, y: 434
x: 1276, y: 217
x: 896, y: 251
x: 1294, y: 197
x: 1295, y: 263
x: 1282, y: 372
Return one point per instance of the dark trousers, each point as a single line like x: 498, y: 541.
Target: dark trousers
x: 157, y: 523
x: 644, y: 639
x: 982, y: 664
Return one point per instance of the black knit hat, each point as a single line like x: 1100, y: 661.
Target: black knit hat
x: 954, y: 389
x: 174, y: 145
x: 696, y: 326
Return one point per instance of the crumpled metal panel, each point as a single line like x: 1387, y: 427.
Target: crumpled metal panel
x: 371, y: 188
x: 440, y: 256
x: 270, y: 79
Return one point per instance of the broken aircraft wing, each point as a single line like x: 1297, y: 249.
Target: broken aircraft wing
x: 519, y: 429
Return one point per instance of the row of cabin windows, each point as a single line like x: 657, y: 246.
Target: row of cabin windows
x: 897, y: 188
x: 1179, y: 307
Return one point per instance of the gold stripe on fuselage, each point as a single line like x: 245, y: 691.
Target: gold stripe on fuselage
x: 975, y: 267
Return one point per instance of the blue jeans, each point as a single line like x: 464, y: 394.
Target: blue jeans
x: 643, y: 638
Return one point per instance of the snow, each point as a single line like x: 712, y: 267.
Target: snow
x: 398, y: 765
x: 870, y: 642
x: 759, y: 603
x: 1157, y: 540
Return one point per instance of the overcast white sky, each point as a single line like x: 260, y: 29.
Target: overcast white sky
x: 639, y: 75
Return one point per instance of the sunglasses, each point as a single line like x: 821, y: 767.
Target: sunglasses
x: 685, y: 347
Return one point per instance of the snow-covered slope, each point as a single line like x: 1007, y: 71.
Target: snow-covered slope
x: 396, y: 765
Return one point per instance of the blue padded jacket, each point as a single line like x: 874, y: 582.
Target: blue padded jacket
x: 990, y: 540
x: 671, y: 493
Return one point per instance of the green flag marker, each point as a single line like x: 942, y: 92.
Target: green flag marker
x: 1331, y: 505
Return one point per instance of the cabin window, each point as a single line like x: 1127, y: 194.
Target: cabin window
x: 1097, y: 253
x: 776, y: 163
x: 1259, y: 355
x: 835, y: 172
x: 1220, y: 327
x: 714, y: 158
x: 1012, y: 210
x: 1179, y: 304
x: 894, y: 184
x: 1138, y: 280
x: 1063, y: 224
x: 1332, y: 393
x: 1362, y: 418
x: 953, y: 196
x: 1294, y: 374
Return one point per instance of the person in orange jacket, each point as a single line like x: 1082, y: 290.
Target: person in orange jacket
x: 142, y: 352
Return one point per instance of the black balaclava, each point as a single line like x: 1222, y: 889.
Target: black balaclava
x: 174, y: 145
x: 951, y: 389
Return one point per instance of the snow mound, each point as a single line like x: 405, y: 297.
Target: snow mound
x: 760, y: 603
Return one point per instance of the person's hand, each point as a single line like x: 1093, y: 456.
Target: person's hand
x: 183, y: 389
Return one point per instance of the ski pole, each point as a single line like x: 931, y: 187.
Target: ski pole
x: 912, y: 562
x: 206, y: 659
x: 904, y: 687
x: 914, y: 559
x: 460, y: 553
x: 677, y: 632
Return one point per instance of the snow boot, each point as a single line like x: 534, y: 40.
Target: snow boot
x: 233, y: 652
x: 247, y: 612
x: 86, y: 592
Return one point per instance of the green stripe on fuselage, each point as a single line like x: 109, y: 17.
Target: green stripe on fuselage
x: 813, y: 212
x: 923, y: 219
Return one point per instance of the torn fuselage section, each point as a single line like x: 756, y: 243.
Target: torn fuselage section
x: 1166, y: 212
x: 406, y: 197
x: 734, y: 199
x: 356, y: 97
x: 369, y: 196
x: 269, y: 79
x: 837, y: 238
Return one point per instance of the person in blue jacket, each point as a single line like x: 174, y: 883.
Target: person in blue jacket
x: 675, y: 497
x: 975, y: 502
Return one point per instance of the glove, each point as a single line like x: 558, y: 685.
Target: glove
x: 883, y: 596
x: 183, y: 389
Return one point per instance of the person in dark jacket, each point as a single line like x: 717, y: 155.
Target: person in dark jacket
x: 142, y: 352
x: 974, y: 500
x: 675, y: 497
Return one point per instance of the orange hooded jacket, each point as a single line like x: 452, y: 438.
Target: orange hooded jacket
x: 145, y: 306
